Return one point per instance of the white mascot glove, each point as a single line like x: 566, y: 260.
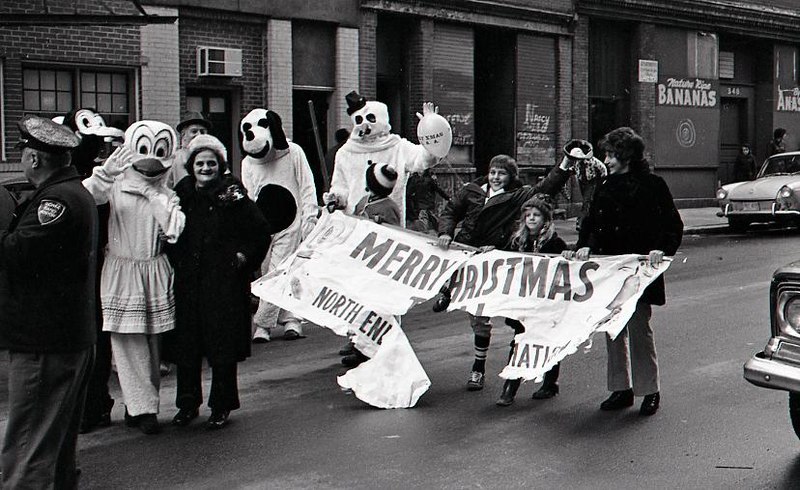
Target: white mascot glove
x: 333, y: 202
x: 427, y: 108
x: 117, y: 162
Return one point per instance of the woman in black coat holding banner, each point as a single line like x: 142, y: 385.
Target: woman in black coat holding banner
x: 632, y: 212
x: 224, y: 241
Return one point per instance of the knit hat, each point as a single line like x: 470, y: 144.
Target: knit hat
x: 381, y: 178
x: 505, y: 162
x: 543, y: 202
x: 207, y: 142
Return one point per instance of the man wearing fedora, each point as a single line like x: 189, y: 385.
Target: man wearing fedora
x: 192, y: 124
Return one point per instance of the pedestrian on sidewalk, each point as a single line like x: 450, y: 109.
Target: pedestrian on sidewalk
x: 744, y: 168
x: 535, y: 234
x: 47, y: 312
x: 223, y: 244
x: 633, y: 212
x: 488, y: 209
x: 778, y: 143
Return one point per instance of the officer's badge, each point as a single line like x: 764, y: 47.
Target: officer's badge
x: 49, y: 211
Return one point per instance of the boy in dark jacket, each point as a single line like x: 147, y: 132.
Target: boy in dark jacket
x: 488, y: 209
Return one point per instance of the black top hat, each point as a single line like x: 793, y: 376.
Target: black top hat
x: 192, y: 117
x: 355, y: 102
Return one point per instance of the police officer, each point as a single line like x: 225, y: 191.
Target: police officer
x: 47, y: 311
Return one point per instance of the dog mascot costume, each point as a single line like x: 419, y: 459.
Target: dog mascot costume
x: 136, y: 285
x: 272, y: 159
x: 371, y: 140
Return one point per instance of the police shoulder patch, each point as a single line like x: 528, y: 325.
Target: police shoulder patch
x: 50, y: 211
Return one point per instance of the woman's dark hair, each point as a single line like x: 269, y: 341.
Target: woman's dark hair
x: 627, y: 146
x: 223, y: 165
x: 779, y: 133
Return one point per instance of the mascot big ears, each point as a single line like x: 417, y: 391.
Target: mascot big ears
x: 278, y: 207
x: 260, y: 132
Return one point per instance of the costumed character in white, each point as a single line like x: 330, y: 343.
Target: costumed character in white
x: 137, y: 279
x: 371, y: 139
x: 272, y: 159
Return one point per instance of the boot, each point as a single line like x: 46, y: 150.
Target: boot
x: 442, y: 300
x: 547, y: 390
x: 509, y: 392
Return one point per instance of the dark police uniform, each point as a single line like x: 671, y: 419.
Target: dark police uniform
x: 47, y: 318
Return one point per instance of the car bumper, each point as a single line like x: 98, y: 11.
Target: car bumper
x: 772, y: 214
x: 773, y: 373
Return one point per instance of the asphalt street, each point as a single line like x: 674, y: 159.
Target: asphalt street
x: 296, y: 429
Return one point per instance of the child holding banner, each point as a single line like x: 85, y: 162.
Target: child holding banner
x: 380, y: 208
x: 488, y: 209
x: 536, y: 234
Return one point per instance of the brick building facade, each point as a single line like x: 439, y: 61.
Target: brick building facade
x: 519, y: 77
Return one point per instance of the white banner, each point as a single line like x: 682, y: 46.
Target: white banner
x: 560, y: 302
x: 356, y: 277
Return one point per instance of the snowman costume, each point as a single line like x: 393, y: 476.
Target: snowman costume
x: 272, y: 159
x: 371, y: 140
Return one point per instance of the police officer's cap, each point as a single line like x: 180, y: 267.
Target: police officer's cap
x: 42, y: 134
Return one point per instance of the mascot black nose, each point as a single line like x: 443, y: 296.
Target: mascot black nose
x: 249, y: 136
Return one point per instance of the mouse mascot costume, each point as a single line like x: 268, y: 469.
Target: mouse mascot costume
x: 137, y: 279
x: 371, y: 139
x: 97, y: 140
x: 272, y: 159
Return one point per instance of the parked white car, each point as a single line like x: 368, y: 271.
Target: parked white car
x: 773, y: 197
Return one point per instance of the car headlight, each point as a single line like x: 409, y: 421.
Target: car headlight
x: 721, y: 194
x: 786, y: 199
x: 791, y: 312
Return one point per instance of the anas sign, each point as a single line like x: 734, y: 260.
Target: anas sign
x: 788, y: 99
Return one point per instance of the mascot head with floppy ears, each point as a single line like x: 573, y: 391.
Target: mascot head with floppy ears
x: 153, y: 145
x: 261, y: 135
x: 97, y: 139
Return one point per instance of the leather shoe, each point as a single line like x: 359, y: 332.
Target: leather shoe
x: 650, y: 404
x: 130, y: 420
x: 545, y: 391
x: 354, y: 359
x: 348, y: 349
x: 618, y: 400
x: 185, y: 416
x: 442, y: 300
x: 510, y: 388
x: 218, y: 419
x: 148, y: 423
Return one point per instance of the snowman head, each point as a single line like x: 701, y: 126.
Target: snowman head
x: 370, y: 118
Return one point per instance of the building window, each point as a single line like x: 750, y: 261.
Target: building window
x: 53, y: 92
x: 703, y: 55
x: 726, y: 65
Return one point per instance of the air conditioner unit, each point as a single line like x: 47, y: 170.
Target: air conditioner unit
x: 219, y: 62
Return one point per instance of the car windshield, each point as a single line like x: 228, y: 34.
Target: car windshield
x: 781, y: 165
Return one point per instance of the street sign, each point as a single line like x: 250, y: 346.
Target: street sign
x: 648, y: 71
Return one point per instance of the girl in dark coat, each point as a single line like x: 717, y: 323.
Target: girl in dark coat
x: 632, y: 212
x: 224, y: 242
x: 536, y: 234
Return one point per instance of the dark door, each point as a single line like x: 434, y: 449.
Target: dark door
x: 303, y: 130
x: 494, y: 96
x: 216, y: 105
x: 733, y: 133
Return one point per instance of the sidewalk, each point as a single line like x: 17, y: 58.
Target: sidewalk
x: 695, y: 221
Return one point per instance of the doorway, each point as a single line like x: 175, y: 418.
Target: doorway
x: 303, y: 130
x: 609, y: 78
x: 218, y: 106
x: 732, y: 135
x: 495, y: 75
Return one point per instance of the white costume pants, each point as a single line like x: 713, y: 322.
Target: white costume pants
x: 137, y: 357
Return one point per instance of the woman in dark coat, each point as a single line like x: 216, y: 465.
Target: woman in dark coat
x: 632, y: 212
x: 224, y: 242
x: 744, y: 168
